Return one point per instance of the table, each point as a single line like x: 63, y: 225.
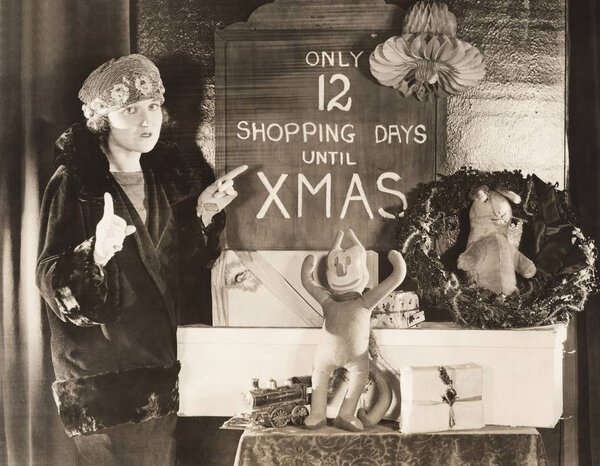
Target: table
x: 383, y: 445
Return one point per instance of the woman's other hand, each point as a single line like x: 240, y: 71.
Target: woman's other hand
x: 111, y: 231
x: 218, y: 195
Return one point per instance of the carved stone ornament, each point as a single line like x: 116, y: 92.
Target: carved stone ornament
x: 428, y: 58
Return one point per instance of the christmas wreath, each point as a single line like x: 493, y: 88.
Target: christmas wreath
x: 433, y: 231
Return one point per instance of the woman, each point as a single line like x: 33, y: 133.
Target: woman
x: 124, y: 226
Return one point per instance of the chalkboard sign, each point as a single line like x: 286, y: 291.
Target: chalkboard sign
x: 327, y: 146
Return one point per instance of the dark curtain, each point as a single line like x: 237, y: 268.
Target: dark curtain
x: 584, y: 173
x: 46, y: 50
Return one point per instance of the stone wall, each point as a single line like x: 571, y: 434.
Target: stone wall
x: 514, y: 119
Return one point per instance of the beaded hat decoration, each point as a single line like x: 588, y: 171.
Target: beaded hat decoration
x: 118, y: 83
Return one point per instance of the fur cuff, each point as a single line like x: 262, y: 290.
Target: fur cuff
x: 82, y: 289
x: 90, y: 404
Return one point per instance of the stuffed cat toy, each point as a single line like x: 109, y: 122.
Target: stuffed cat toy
x: 490, y: 258
x: 346, y: 328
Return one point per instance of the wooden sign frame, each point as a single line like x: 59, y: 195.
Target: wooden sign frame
x: 289, y: 225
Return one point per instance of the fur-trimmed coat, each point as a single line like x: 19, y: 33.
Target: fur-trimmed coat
x: 114, y: 327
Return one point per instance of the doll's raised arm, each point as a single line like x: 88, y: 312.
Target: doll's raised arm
x: 374, y: 296
x: 309, y: 283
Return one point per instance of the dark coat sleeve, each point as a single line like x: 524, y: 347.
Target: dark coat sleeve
x: 72, y: 284
x: 211, y: 238
x: 199, y: 248
x: 183, y: 185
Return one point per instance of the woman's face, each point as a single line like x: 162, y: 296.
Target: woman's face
x: 136, y: 128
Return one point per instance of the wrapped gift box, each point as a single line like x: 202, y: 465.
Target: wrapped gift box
x: 522, y: 369
x: 399, y: 301
x: 432, y: 404
x: 263, y: 288
x: 401, y: 319
x: 398, y: 310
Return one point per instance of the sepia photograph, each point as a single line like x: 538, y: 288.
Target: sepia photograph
x: 299, y: 232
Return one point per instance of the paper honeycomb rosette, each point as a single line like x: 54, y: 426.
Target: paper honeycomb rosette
x: 430, y: 17
x: 428, y: 59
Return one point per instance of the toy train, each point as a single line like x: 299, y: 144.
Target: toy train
x: 278, y: 406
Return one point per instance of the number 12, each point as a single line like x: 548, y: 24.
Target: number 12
x: 334, y: 102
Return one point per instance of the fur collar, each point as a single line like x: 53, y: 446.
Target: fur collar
x: 79, y: 150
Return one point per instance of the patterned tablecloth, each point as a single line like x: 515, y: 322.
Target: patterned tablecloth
x: 383, y: 445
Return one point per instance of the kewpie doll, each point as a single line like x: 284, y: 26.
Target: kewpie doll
x: 346, y: 327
